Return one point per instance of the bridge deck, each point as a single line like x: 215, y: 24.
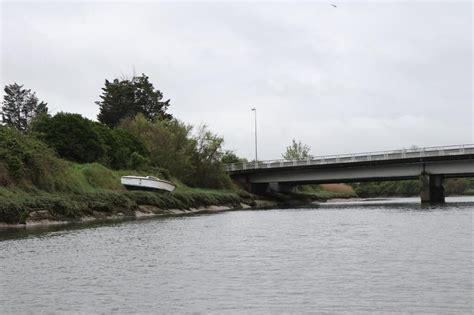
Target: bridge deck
x: 394, y: 155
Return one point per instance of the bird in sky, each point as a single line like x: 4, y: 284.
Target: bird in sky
x: 334, y: 5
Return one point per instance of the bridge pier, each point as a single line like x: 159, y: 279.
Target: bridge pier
x: 431, y: 188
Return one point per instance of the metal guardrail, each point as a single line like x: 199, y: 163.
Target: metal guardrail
x: 357, y: 157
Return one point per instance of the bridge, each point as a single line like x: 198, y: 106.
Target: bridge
x: 430, y: 165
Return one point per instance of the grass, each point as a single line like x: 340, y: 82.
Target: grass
x: 15, y: 206
x: 33, y: 178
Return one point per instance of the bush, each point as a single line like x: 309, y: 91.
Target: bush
x: 25, y: 161
x: 195, y: 161
x: 168, y: 142
x: 123, y: 150
x: 81, y: 140
x: 72, y: 136
x: 404, y: 188
x: 456, y: 186
x: 12, y: 213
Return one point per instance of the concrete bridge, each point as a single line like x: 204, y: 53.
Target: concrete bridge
x: 430, y: 165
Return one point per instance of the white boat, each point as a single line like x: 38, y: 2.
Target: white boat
x: 146, y: 183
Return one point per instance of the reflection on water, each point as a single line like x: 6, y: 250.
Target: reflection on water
x: 372, y: 256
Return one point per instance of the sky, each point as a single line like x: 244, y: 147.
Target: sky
x: 359, y: 77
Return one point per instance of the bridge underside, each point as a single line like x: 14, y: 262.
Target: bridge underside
x: 430, y: 174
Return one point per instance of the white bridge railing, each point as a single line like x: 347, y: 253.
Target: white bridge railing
x: 357, y: 157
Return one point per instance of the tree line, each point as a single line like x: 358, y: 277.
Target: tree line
x: 134, y: 131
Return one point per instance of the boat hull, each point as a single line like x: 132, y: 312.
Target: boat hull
x: 146, y: 183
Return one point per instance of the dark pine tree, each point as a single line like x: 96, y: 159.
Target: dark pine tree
x: 125, y: 98
x: 20, y: 106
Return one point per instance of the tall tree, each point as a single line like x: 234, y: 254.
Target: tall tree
x: 297, y: 151
x: 20, y: 106
x: 125, y: 98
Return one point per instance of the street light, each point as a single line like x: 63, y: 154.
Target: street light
x: 256, y: 157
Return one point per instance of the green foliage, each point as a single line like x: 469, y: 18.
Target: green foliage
x: 12, y: 212
x: 168, y: 142
x: 97, y: 176
x: 208, y: 169
x: 125, y: 98
x: 34, y: 179
x: 230, y: 157
x: 184, y: 199
x: 26, y: 161
x: 297, y: 151
x: 194, y: 160
x: 16, y: 207
x: 457, y: 186
x: 20, y: 106
x: 403, y: 188
x: 72, y: 136
x: 81, y: 140
x: 406, y: 188
x: 138, y: 161
x: 122, y: 149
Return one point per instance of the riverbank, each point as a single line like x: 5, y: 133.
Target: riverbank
x: 43, y: 218
x: 19, y: 209
x: 22, y: 208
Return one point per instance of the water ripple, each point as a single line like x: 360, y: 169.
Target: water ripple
x: 377, y: 257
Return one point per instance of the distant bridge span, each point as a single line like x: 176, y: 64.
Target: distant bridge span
x: 430, y: 165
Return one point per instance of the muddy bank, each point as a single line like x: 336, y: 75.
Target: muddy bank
x: 54, y: 210
x: 44, y: 218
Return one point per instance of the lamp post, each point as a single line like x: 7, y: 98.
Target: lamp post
x: 256, y: 156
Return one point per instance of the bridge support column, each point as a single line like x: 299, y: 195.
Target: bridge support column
x: 431, y: 188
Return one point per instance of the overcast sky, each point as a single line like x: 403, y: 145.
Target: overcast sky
x: 361, y: 77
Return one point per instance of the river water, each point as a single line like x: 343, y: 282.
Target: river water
x: 377, y: 256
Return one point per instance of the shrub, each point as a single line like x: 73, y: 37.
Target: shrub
x: 81, y: 140
x: 123, y: 150
x: 457, y: 186
x: 12, y: 213
x: 25, y: 161
x: 72, y: 136
x: 168, y: 142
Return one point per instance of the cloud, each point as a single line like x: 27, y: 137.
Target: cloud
x: 364, y: 76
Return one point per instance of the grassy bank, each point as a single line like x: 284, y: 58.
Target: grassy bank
x: 92, y: 190
x: 36, y: 184
x: 76, y: 191
x: 18, y: 206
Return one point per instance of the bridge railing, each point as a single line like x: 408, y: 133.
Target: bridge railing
x: 357, y: 157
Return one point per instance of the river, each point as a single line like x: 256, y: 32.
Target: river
x: 374, y: 256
